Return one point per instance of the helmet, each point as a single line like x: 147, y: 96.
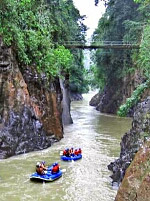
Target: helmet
x: 56, y: 163
x: 38, y: 164
x: 43, y: 162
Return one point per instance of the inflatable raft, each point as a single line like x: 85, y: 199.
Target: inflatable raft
x: 71, y: 158
x: 46, y: 177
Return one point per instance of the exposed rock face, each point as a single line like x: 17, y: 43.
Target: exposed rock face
x: 66, y: 117
x: 75, y: 96
x: 30, y: 107
x: 115, y: 94
x: 110, y: 99
x: 136, y: 183
x: 132, y: 141
x: 95, y: 100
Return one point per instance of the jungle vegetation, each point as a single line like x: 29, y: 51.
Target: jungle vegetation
x: 126, y: 21
x: 37, y: 30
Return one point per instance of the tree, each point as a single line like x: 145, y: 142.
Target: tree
x: 37, y: 28
x: 114, y: 65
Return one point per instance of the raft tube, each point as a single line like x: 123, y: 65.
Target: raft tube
x: 46, y: 177
x: 71, y: 158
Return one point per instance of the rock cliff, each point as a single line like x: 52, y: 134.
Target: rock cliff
x: 30, y: 107
x: 136, y: 183
x: 66, y: 101
x: 133, y: 140
x: 116, y: 93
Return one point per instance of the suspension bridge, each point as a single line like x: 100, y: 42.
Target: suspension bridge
x: 100, y: 44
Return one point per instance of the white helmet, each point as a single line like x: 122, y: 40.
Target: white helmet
x: 38, y: 164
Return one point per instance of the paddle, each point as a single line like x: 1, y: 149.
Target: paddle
x: 63, y: 170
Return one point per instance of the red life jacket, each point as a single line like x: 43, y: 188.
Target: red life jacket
x: 76, y: 152
x: 55, y: 169
x: 79, y: 151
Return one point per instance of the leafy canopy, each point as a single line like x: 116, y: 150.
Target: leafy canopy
x: 35, y: 27
x: 141, y: 32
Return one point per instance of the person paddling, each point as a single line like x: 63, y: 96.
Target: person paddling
x: 67, y: 153
x: 44, y: 166
x: 55, y: 168
x: 76, y: 152
x: 71, y: 152
x: 39, y: 168
x: 79, y: 151
x: 64, y: 152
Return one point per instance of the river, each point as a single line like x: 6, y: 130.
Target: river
x: 85, y: 180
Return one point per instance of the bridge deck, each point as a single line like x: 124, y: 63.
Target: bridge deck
x: 111, y: 46
x: 89, y: 44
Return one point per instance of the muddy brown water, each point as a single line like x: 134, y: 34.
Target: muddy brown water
x: 85, y: 180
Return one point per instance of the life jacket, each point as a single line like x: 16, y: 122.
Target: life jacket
x: 67, y: 153
x: 64, y: 152
x: 75, y: 152
x: 55, y: 169
x: 79, y: 151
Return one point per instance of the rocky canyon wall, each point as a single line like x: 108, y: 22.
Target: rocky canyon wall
x: 66, y: 101
x: 30, y: 107
x: 133, y: 140
x: 116, y: 93
x: 136, y: 183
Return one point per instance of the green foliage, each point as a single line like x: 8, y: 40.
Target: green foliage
x: 124, y: 21
x: 113, y: 65
x: 142, y: 1
x: 59, y: 60
x: 139, y: 31
x: 144, y: 53
x: 127, y: 21
x: 132, y: 101
x: 133, y: 31
x: 142, y: 58
x: 78, y: 76
x: 23, y: 26
x: 35, y: 28
x: 96, y: 78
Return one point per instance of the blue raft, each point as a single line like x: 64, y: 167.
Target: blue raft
x: 71, y: 158
x: 46, y: 177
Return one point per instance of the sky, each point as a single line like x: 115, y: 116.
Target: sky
x: 93, y: 13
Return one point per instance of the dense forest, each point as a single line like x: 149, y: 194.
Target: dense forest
x: 126, y: 22
x: 37, y: 31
